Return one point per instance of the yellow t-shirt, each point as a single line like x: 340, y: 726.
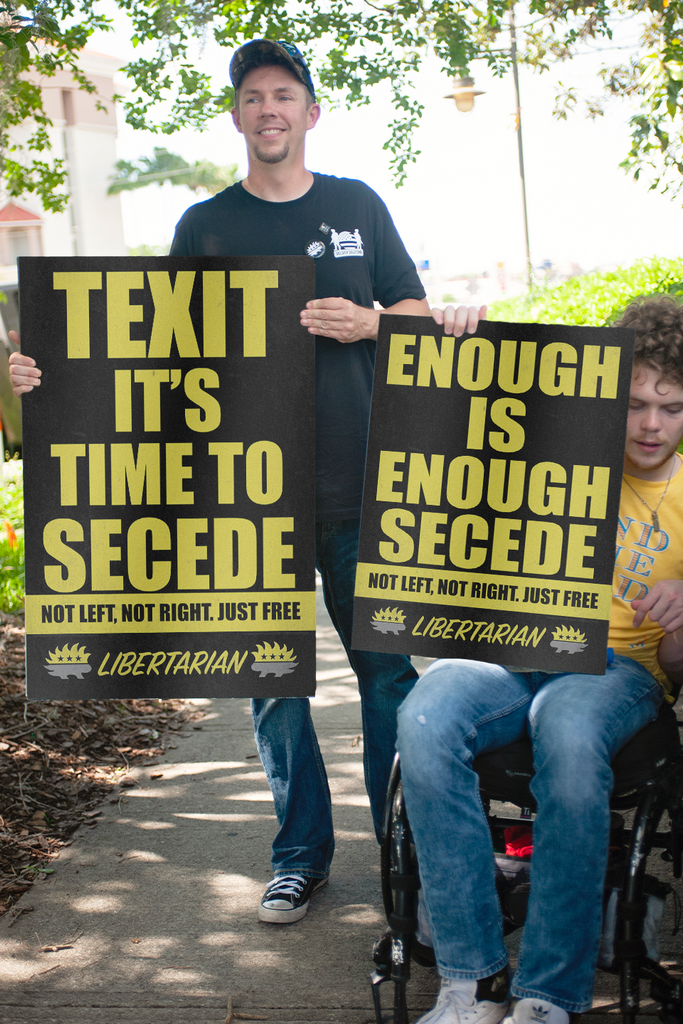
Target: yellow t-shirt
x: 643, y: 557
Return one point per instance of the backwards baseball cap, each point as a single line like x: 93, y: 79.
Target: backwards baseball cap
x: 260, y: 52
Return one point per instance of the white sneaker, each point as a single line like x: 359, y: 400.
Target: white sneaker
x: 458, y: 1004
x: 536, y: 1011
x: 286, y: 898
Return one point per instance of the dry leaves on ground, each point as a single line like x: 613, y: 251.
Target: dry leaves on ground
x: 234, y: 1015
x: 59, y: 759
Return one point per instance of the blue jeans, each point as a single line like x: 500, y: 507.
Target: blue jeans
x: 577, y: 723
x: 286, y: 739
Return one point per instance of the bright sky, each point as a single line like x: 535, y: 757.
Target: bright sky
x: 461, y: 207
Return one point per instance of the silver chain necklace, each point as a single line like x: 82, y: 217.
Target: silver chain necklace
x: 653, y: 511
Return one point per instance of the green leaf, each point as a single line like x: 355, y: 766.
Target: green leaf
x: 353, y: 45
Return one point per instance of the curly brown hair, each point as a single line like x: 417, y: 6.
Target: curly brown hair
x: 658, y: 323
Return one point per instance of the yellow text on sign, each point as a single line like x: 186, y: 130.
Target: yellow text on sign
x: 484, y: 590
x: 118, y: 475
x: 116, y: 557
x: 418, y: 361
x: 198, y: 612
x: 171, y: 321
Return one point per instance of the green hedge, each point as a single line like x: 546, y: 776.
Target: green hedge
x: 593, y: 299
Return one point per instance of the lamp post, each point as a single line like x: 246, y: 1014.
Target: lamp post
x: 464, y: 94
x: 520, y: 147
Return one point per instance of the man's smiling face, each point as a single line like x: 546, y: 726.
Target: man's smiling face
x: 274, y: 111
x: 655, y: 424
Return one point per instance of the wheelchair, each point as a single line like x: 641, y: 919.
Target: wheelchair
x: 648, y: 779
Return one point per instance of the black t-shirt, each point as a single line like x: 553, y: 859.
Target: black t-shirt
x: 358, y: 254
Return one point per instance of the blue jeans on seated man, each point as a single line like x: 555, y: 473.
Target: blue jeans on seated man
x: 286, y: 739
x: 577, y: 723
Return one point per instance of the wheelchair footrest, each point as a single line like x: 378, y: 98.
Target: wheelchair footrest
x: 665, y: 989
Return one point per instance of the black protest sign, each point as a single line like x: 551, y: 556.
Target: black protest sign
x: 169, y: 456
x: 492, y: 493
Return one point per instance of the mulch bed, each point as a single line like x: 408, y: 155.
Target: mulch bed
x: 60, y: 759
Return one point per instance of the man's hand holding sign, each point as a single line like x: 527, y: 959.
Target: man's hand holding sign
x: 24, y: 373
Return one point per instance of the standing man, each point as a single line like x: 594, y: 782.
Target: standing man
x: 576, y: 723
x: 282, y: 209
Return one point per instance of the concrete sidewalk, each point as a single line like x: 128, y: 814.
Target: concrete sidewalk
x: 156, y: 904
x: 158, y: 901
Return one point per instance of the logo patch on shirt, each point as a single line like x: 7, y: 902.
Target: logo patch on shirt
x: 346, y: 244
x: 315, y: 249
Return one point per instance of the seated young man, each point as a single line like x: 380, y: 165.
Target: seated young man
x: 577, y: 723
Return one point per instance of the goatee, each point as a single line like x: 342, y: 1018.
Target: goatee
x: 270, y: 157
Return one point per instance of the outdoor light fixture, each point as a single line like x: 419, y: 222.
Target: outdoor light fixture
x: 463, y: 94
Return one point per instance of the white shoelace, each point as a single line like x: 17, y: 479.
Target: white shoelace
x: 286, y: 885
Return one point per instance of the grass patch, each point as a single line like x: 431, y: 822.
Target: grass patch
x: 12, y: 543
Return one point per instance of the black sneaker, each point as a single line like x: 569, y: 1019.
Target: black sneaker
x: 286, y: 898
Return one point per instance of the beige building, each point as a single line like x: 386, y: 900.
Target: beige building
x: 92, y: 224
x: 85, y: 138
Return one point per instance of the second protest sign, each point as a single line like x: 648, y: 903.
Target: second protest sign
x: 492, y: 493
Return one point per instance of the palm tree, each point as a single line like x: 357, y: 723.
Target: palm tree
x: 165, y: 166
